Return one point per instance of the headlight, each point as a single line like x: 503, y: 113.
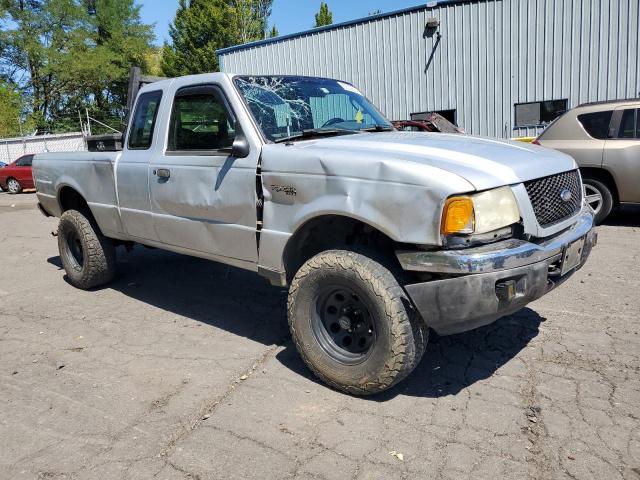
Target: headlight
x: 480, y: 213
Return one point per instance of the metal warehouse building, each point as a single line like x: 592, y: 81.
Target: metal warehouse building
x: 500, y: 68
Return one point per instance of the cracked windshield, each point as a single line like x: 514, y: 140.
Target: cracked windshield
x: 298, y: 107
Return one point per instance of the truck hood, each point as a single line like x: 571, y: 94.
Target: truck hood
x: 483, y: 162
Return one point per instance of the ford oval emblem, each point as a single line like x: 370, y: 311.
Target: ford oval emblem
x: 566, y: 195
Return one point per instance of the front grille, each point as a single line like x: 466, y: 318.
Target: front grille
x: 546, y: 197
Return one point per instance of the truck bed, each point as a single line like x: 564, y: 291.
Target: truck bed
x: 92, y: 174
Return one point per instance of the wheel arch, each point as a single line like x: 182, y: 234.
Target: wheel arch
x: 69, y: 198
x: 328, y: 231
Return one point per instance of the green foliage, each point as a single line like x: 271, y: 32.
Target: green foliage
x: 252, y: 18
x: 203, y: 26
x: 118, y: 40
x: 274, y: 32
x: 67, y: 55
x: 324, y: 16
x: 200, y: 28
x: 10, y: 111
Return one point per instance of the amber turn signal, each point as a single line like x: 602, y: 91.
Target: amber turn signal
x: 457, y: 216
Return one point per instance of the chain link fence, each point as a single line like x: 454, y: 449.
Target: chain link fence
x: 13, y: 148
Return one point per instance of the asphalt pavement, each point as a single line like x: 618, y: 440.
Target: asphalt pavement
x: 183, y: 369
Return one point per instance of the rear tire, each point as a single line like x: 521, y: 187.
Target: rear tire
x: 88, y: 257
x: 13, y: 186
x: 353, y: 324
x: 599, y: 198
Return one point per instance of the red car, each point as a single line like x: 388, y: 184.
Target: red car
x: 433, y: 122
x: 16, y: 176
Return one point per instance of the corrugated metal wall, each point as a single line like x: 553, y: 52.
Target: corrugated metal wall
x: 491, y: 55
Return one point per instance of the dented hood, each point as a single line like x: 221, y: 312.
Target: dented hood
x: 483, y: 162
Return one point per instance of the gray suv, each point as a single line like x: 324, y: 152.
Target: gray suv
x: 604, y: 139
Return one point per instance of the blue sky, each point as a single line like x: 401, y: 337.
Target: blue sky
x: 289, y: 16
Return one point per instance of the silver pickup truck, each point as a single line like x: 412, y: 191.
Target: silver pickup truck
x: 380, y: 235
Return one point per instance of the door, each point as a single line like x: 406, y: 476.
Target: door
x: 622, y: 153
x: 202, y: 198
x: 132, y: 170
x: 23, y: 172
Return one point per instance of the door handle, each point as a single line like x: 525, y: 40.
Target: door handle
x: 164, y: 173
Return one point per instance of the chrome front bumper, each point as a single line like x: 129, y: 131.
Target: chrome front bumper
x: 493, y: 280
x: 496, y: 256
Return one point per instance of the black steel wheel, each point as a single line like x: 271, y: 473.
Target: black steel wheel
x: 343, y: 325
x: 74, y: 249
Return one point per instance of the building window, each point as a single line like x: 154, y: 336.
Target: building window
x: 448, y: 114
x: 533, y: 114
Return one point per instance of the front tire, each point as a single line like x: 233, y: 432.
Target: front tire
x: 88, y: 257
x: 13, y: 186
x: 353, y: 324
x: 599, y: 198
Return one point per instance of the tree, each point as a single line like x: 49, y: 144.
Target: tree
x: 66, y: 55
x: 253, y: 18
x: 324, y: 16
x: 200, y: 28
x: 38, y: 39
x: 121, y: 41
x: 274, y: 32
x: 10, y: 111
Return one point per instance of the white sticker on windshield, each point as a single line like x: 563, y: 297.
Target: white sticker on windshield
x: 349, y: 88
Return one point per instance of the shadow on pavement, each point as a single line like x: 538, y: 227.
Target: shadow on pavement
x: 627, y: 216
x: 231, y: 299
x: 242, y: 303
x: 452, y: 363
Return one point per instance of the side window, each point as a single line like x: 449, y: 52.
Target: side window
x: 25, y: 161
x: 628, y: 124
x: 596, y: 124
x: 200, y: 121
x: 144, y: 121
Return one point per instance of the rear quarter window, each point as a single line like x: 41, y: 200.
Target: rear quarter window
x: 596, y: 124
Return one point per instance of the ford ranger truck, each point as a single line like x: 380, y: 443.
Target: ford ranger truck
x: 379, y: 235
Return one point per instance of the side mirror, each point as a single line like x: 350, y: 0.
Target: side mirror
x: 240, y: 148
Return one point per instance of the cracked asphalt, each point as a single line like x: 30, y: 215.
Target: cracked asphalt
x: 182, y: 369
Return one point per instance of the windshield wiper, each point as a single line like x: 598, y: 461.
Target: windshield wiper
x: 379, y: 128
x: 316, y: 132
